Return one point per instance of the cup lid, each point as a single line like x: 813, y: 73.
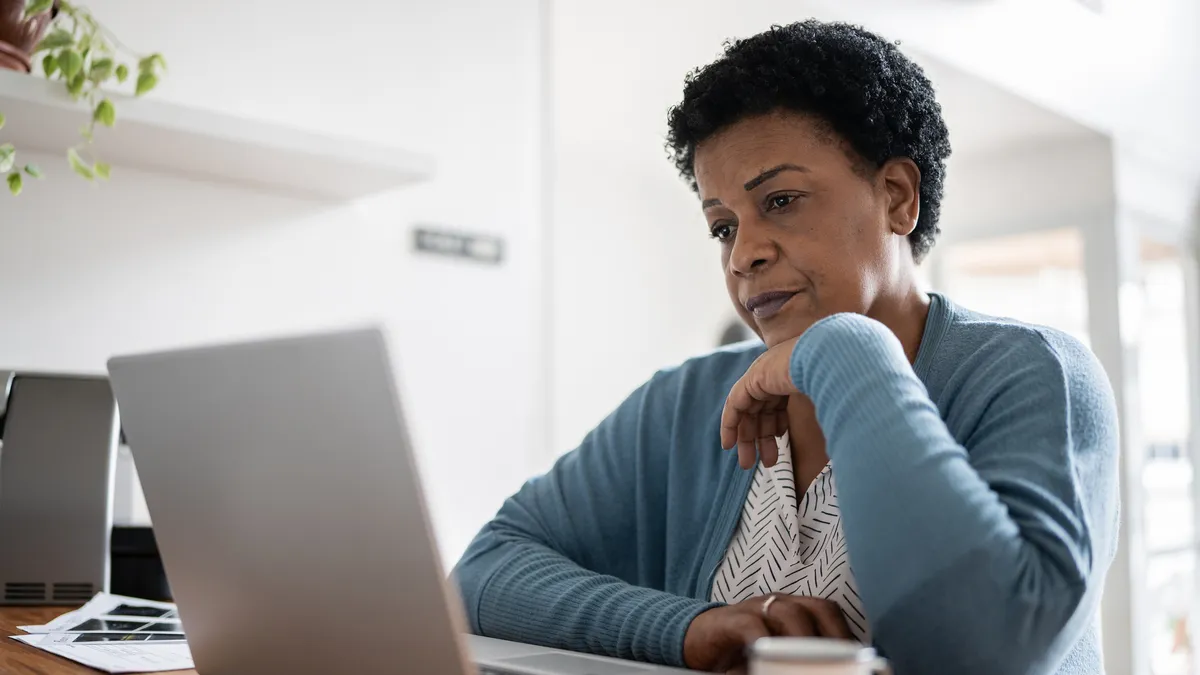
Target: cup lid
x: 810, y: 650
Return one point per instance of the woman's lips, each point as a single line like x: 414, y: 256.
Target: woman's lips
x: 767, y: 305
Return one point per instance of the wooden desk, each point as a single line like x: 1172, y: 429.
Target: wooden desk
x: 17, y: 658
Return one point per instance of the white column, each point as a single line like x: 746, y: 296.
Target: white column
x: 542, y: 451
x: 1189, y: 255
x: 1111, y: 262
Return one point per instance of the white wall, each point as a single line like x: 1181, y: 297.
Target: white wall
x: 1132, y: 70
x: 1051, y: 184
x: 637, y: 280
x: 148, y: 262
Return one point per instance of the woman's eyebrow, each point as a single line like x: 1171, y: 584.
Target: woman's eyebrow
x: 709, y: 203
x: 771, y: 173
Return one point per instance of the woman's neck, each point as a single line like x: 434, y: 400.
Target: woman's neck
x: 904, y: 311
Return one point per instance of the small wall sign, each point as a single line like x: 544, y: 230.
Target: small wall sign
x: 480, y: 248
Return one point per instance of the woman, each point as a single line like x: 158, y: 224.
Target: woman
x: 907, y: 472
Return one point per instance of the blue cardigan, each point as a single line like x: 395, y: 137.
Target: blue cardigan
x: 978, y: 490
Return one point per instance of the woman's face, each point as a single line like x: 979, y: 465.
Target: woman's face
x: 804, y: 231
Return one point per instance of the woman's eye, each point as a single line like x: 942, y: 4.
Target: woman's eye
x: 721, y: 231
x: 779, y: 201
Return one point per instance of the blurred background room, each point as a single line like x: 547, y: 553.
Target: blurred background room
x: 487, y: 180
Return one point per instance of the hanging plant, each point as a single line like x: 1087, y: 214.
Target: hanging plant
x: 78, y: 51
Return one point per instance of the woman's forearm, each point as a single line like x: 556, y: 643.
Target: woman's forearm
x: 977, y: 559
x: 516, y: 589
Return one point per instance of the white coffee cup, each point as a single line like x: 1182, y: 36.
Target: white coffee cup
x: 813, y: 656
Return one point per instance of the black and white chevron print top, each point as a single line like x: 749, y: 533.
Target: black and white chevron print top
x: 784, y: 547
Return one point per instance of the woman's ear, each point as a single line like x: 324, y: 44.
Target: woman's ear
x: 902, y: 180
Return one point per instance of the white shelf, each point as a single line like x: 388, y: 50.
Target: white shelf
x: 183, y: 141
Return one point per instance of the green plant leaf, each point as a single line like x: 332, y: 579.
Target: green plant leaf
x: 105, y: 113
x: 8, y: 157
x: 35, y: 7
x: 15, y: 183
x: 49, y: 65
x: 103, y: 170
x: 33, y: 170
x: 101, y: 75
x: 122, y: 73
x: 56, y: 39
x: 70, y: 62
x: 78, y: 165
x: 2, y: 120
x: 101, y: 70
x: 75, y: 85
x: 148, y: 64
x: 146, y: 82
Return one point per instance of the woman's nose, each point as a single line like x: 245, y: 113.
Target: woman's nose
x: 753, y: 250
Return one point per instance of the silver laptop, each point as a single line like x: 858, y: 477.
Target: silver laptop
x: 289, y: 513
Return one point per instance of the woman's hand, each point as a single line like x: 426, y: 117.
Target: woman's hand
x: 756, y: 409
x: 717, y: 639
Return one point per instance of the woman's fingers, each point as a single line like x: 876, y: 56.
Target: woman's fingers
x: 831, y: 623
x: 751, y: 424
x: 753, y: 416
x: 802, y: 616
x: 768, y: 449
x: 736, y: 405
x: 747, y: 436
x: 790, y: 619
x: 745, y: 420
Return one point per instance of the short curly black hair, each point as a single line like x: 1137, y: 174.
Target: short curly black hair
x: 869, y: 94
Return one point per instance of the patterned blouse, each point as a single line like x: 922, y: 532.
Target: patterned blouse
x: 782, y: 546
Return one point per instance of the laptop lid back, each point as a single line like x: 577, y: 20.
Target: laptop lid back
x: 288, y: 509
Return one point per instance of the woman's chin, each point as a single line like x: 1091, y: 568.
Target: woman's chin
x: 780, y: 329
x: 773, y: 338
